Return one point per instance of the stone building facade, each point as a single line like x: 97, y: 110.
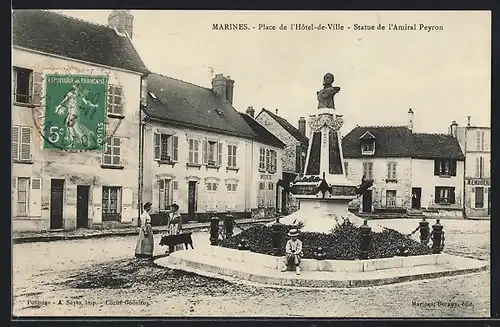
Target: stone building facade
x: 203, y: 155
x: 59, y: 181
x: 294, y: 154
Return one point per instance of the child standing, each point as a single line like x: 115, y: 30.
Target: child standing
x: 293, y: 250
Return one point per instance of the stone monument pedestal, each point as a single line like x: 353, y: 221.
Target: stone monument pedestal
x: 323, y: 188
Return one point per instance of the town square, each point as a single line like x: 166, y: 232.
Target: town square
x: 184, y: 170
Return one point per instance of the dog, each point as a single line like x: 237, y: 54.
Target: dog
x: 172, y: 240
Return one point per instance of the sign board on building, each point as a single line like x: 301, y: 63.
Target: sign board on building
x: 75, y: 112
x: 477, y: 181
x: 265, y: 176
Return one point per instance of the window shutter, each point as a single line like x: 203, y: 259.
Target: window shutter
x: 370, y: 167
x: 127, y: 196
x: 15, y: 143
x: 37, y: 89
x: 268, y: 159
x: 35, y: 198
x: 346, y: 168
x: 175, y: 148
x: 389, y: 170
x: 175, y: 187
x: 205, y: 152
x: 157, y: 146
x: 437, y: 197
x: 110, y: 98
x: 452, y: 195
x: 25, y: 143
x: 453, y: 167
x: 436, y: 167
x: 161, y: 194
x: 219, y: 148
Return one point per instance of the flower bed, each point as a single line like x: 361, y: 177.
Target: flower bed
x: 342, y: 243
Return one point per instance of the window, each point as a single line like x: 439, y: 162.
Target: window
x: 391, y: 170
x: 231, y: 196
x: 262, y: 159
x: 368, y: 147
x: 261, y: 197
x: 166, y: 147
x: 22, y: 88
x: 391, y: 199
x: 271, y: 195
x: 112, y: 152
x: 445, y: 195
x: 231, y: 156
x: 479, y: 167
x: 166, y: 193
x: 194, y: 152
x: 212, y: 153
x: 368, y: 170
x: 115, y: 100
x: 445, y: 167
x: 22, y: 195
x: 21, y: 143
x: 479, y: 197
x: 211, y: 196
x: 111, y: 203
x: 480, y: 141
x: 346, y: 168
x: 271, y: 161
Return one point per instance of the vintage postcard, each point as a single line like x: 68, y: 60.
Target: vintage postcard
x: 251, y: 163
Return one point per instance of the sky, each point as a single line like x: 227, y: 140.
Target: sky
x: 443, y: 75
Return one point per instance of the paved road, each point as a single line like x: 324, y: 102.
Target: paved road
x: 39, y: 268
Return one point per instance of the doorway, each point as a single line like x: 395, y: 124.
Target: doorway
x: 416, y: 198
x: 56, y: 203
x: 82, y: 206
x: 367, y: 201
x: 192, y: 200
x: 284, y: 196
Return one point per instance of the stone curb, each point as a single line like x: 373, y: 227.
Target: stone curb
x: 259, y: 279
x: 125, y: 232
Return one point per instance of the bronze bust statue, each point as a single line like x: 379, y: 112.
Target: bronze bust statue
x: 325, y: 95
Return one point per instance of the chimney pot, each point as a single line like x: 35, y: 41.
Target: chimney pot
x: 250, y: 111
x: 410, y: 119
x: 223, y: 87
x: 454, y: 129
x: 276, y: 111
x: 122, y: 20
x: 468, y: 121
x: 302, y: 125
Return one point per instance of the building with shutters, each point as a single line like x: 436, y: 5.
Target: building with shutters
x: 203, y: 155
x: 294, y: 154
x: 411, y: 171
x: 75, y: 122
x: 476, y: 144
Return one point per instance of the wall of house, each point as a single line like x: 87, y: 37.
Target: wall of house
x: 423, y: 176
x: 80, y: 168
x: 247, y: 176
x: 381, y: 184
x: 289, y: 153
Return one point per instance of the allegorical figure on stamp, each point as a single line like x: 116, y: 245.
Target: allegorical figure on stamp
x: 326, y: 95
x: 73, y: 103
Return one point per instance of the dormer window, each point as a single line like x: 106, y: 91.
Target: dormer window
x: 367, y: 143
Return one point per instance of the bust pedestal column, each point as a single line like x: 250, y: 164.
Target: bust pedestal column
x: 323, y: 189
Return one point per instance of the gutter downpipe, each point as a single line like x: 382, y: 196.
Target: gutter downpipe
x: 465, y: 173
x: 141, y: 126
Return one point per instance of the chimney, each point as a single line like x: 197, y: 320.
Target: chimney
x: 410, y: 119
x: 468, y: 121
x: 454, y: 129
x: 229, y: 89
x: 122, y: 20
x: 223, y: 87
x: 302, y: 125
x: 276, y: 112
x: 250, y: 111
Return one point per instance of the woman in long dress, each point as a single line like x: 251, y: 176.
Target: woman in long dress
x: 175, y: 225
x: 145, y: 245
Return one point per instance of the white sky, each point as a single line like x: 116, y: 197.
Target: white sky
x: 441, y: 75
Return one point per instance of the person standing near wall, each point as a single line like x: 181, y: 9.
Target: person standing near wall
x: 145, y: 245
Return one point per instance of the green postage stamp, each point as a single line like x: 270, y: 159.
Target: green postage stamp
x: 75, y: 112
